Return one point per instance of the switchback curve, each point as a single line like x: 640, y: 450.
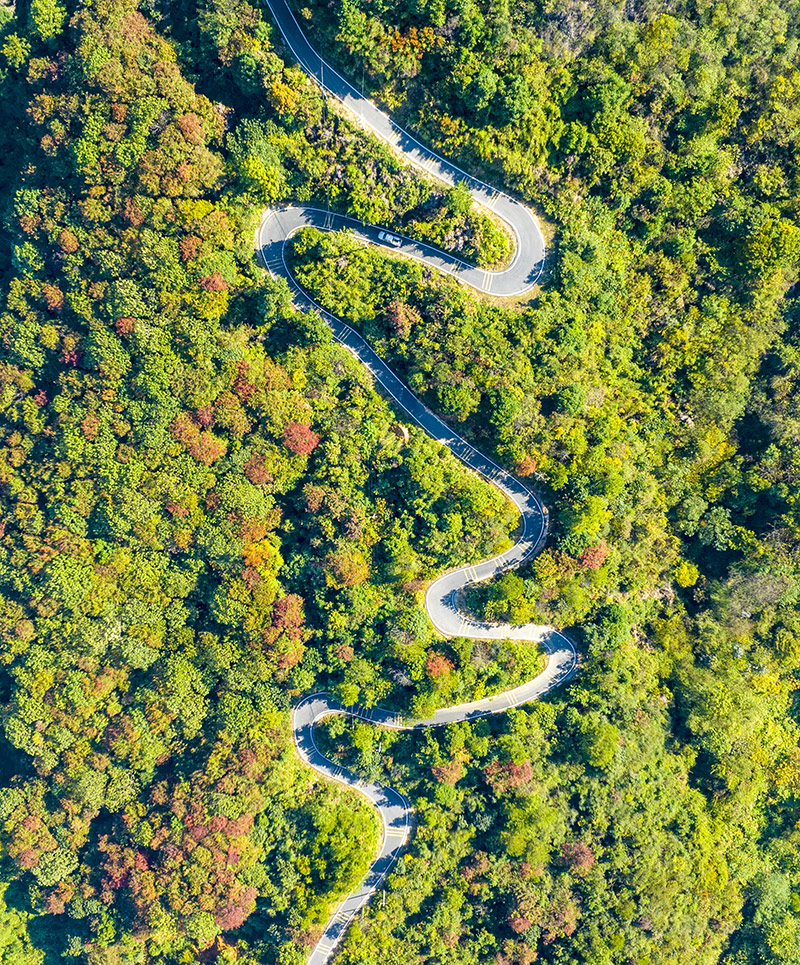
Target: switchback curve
x: 276, y: 228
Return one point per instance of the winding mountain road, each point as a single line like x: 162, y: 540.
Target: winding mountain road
x: 276, y: 228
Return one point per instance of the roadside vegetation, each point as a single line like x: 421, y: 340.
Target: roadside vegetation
x: 207, y: 511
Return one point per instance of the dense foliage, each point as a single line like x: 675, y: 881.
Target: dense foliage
x: 205, y: 508
x: 651, y: 392
x: 208, y: 511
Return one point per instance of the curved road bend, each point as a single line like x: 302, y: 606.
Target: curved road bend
x: 528, y: 262
x: 276, y: 228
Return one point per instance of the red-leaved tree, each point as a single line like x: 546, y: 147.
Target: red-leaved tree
x: 593, y: 557
x: 301, y: 439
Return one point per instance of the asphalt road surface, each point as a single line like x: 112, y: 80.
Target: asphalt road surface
x: 526, y: 267
x: 276, y: 228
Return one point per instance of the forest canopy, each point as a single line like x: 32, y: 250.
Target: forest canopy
x: 208, y: 510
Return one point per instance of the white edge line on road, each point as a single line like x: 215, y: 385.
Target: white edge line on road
x: 524, y: 499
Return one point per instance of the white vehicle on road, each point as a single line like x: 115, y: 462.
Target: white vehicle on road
x: 441, y: 598
x: 389, y: 239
